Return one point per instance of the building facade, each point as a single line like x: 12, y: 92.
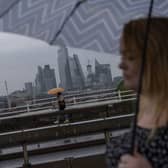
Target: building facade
x: 70, y: 71
x: 64, y: 68
x: 45, y: 79
x: 29, y: 88
x: 103, y: 76
x: 100, y: 78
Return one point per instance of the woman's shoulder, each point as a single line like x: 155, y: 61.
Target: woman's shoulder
x: 142, y: 135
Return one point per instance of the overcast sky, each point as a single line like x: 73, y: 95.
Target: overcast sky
x: 20, y: 56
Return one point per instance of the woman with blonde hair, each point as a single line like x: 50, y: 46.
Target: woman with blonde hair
x: 152, y: 125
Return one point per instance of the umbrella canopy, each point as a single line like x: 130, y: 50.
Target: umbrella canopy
x: 55, y: 91
x: 95, y: 25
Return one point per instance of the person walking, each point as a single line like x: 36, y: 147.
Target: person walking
x: 62, y: 106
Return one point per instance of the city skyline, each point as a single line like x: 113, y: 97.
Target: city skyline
x: 22, y: 55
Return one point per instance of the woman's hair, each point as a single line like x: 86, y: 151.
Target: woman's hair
x: 155, y: 77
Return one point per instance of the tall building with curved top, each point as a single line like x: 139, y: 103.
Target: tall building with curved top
x: 70, y: 70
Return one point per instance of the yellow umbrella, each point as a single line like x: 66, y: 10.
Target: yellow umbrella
x: 55, y: 91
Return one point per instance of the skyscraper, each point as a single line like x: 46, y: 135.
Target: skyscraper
x: 103, y: 75
x: 29, y: 88
x: 77, y: 75
x: 39, y: 84
x: 70, y: 70
x: 45, y: 79
x: 49, y: 78
x: 64, y: 68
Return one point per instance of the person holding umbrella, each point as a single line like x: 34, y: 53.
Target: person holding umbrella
x: 151, y: 143
x: 60, y: 101
x: 60, y: 97
x: 62, y: 106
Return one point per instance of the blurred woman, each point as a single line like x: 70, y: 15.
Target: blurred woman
x: 151, y: 149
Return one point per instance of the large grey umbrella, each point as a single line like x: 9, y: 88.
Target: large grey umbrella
x: 95, y: 25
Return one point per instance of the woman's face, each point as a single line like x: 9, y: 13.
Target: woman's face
x: 130, y: 66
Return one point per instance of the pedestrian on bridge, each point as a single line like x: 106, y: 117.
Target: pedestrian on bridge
x: 151, y: 142
x: 61, y: 101
x: 62, y: 106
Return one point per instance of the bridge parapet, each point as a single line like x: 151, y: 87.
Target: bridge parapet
x: 36, y: 128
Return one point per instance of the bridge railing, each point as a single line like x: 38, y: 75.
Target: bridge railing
x: 76, y: 113
x: 23, y: 138
x: 70, y: 101
x: 68, y: 95
x: 64, y: 130
x: 29, y: 129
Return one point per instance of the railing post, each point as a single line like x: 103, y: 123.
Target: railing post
x: 119, y: 95
x: 28, y: 108
x: 107, y: 136
x: 26, y: 158
x: 74, y: 100
x: 69, y: 162
x: 106, y: 132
